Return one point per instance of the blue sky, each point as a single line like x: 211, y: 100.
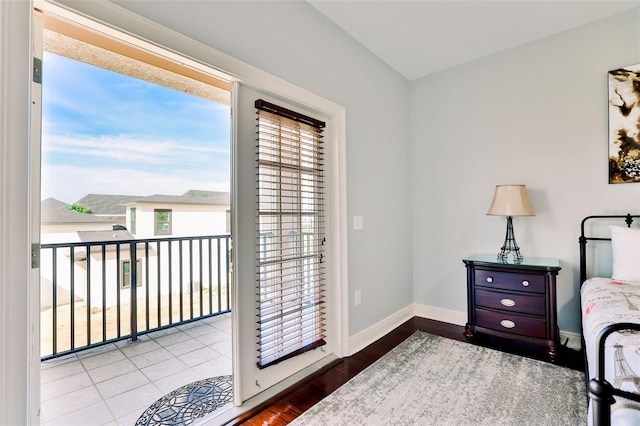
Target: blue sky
x: 107, y: 133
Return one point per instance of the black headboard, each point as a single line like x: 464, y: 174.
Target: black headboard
x: 628, y: 219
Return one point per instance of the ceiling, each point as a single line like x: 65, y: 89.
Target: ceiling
x: 421, y: 37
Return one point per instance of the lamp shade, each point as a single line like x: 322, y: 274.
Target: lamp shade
x: 510, y: 200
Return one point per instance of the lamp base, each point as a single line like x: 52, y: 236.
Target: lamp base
x: 510, y: 252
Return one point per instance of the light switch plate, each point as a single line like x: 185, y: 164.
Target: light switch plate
x: 358, y: 223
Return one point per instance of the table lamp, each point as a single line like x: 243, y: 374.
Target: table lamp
x: 509, y: 201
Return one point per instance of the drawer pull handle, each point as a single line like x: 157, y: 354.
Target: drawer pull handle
x: 507, y: 324
x: 508, y: 302
x: 489, y: 279
x: 525, y: 283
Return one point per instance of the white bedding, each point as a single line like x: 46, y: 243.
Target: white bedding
x: 606, y: 301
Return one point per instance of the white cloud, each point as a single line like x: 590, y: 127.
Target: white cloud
x: 70, y: 183
x: 129, y: 148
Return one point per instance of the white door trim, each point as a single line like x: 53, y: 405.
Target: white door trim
x: 16, y: 374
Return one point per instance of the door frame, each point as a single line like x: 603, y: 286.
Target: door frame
x: 17, y: 375
x: 114, y: 18
x: 249, y: 379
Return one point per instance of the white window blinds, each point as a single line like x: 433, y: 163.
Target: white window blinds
x: 290, y: 235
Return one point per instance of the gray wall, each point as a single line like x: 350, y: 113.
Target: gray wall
x: 535, y: 115
x: 291, y: 40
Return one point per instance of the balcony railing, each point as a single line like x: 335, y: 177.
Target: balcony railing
x: 88, y: 298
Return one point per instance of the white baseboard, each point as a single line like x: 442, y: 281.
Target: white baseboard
x: 440, y: 314
x: 369, y: 335
x: 574, y: 340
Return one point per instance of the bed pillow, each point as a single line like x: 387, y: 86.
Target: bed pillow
x: 625, y: 245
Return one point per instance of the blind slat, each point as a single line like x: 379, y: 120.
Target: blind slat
x: 270, y: 335
x: 287, y: 313
x: 303, y: 322
x: 272, y: 301
x: 266, y: 361
x: 296, y: 336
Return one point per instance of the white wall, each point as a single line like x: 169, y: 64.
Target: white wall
x: 293, y: 41
x: 535, y: 115
x: 68, y: 232
x: 186, y: 220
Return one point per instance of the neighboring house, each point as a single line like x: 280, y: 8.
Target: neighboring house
x: 194, y: 213
x: 60, y: 224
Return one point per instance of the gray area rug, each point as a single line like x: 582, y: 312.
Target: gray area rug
x: 431, y: 380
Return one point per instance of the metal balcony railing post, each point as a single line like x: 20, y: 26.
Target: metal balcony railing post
x: 72, y: 296
x: 54, y: 301
x: 134, y: 285
x: 227, y: 260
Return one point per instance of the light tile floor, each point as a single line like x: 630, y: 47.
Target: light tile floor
x: 114, y: 384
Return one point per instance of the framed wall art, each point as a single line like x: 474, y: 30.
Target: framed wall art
x: 624, y: 124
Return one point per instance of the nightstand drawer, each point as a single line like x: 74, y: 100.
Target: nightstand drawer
x: 522, y: 303
x: 510, y: 323
x: 510, y: 281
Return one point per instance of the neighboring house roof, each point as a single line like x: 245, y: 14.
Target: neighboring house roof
x: 56, y: 211
x: 100, y: 236
x: 210, y: 198
x: 91, y: 236
x: 106, y: 208
x: 102, y: 204
x: 219, y: 197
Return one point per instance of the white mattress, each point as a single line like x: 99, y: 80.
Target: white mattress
x: 606, y: 301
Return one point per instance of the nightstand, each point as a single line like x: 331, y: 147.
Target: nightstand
x: 513, y: 301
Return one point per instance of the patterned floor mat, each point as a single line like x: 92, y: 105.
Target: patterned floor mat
x: 189, y: 403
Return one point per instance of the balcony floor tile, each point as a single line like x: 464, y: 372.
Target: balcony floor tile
x: 149, y: 358
x: 96, y: 414
x: 56, y: 372
x: 163, y: 369
x: 176, y: 336
x: 198, y: 356
x: 116, y: 383
x: 211, y: 338
x: 139, y: 348
x: 109, y: 371
x: 135, y: 400
x: 103, y: 358
x: 176, y: 380
x: 199, y: 330
x: 184, y: 347
x: 65, y: 385
x: 69, y: 402
x: 121, y: 384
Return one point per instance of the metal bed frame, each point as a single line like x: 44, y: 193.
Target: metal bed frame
x: 599, y: 390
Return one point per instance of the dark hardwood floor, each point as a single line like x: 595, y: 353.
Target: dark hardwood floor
x: 288, y: 405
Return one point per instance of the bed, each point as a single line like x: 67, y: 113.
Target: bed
x: 610, y: 305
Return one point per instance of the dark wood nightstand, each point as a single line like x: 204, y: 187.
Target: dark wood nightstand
x: 513, y: 301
